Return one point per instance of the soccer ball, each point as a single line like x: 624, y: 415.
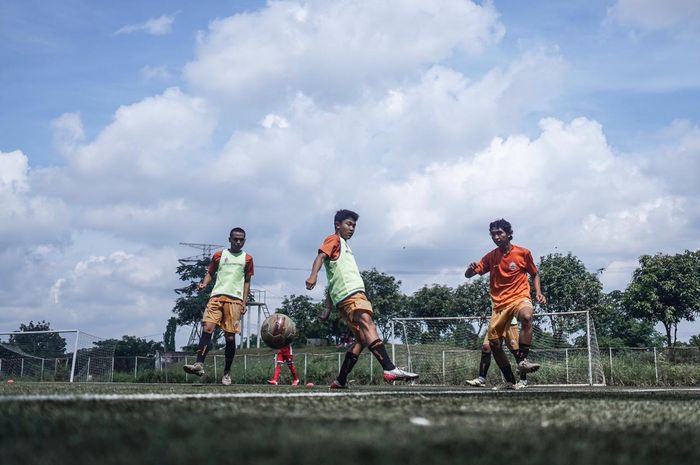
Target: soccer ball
x: 278, y: 330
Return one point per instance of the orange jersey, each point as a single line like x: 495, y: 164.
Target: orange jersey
x: 331, y: 247
x: 508, y: 275
x: 216, y: 258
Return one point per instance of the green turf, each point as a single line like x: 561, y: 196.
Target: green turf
x: 526, y: 427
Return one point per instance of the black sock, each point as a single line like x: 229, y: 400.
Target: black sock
x: 508, y: 373
x: 229, y: 353
x: 516, y: 354
x: 346, y: 367
x: 203, y: 346
x: 484, y: 364
x: 522, y: 353
x: 379, y: 351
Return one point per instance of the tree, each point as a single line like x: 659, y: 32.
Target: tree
x: 473, y: 298
x: 430, y: 302
x: 304, y: 312
x: 615, y: 327
x: 41, y: 345
x: 132, y: 346
x: 384, y: 291
x: 666, y: 289
x: 190, y: 305
x: 694, y: 341
x: 568, y: 287
x: 169, y: 335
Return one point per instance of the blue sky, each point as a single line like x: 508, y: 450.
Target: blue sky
x: 128, y: 127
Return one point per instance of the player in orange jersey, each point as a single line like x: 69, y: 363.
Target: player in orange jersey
x: 508, y: 266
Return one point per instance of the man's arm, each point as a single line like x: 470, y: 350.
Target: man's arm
x: 327, y: 308
x: 541, y: 299
x: 315, y: 268
x: 246, y: 293
x: 471, y: 270
x: 205, y: 282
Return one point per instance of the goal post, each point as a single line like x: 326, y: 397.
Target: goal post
x: 447, y: 350
x: 56, y: 355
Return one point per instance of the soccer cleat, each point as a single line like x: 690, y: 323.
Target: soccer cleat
x: 476, y: 382
x: 295, y: 382
x: 522, y: 384
x: 526, y: 366
x: 272, y: 381
x: 196, y: 368
x: 336, y: 385
x: 397, y: 374
x: 504, y: 387
x: 226, y: 380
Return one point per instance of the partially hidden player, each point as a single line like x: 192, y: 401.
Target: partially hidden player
x: 346, y: 292
x: 511, y: 337
x: 233, y: 269
x: 508, y: 266
x: 284, y: 357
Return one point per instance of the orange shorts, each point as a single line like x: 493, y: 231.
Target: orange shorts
x: 500, y: 319
x: 225, y: 312
x: 511, y: 336
x: 347, y: 307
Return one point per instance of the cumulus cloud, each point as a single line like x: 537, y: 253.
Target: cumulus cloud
x: 149, y: 138
x: 569, y: 171
x: 333, y: 49
x: 160, y: 26
x: 25, y: 217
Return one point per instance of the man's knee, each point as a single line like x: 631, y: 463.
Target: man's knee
x: 496, y: 345
x: 525, y: 316
x: 364, y: 319
x: 208, y: 327
x: 486, y: 348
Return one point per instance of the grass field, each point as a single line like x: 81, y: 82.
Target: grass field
x: 182, y: 424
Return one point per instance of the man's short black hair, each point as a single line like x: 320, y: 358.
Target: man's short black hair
x: 342, y: 215
x: 240, y: 230
x: 504, y: 225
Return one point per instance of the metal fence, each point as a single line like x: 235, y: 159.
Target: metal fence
x: 646, y: 366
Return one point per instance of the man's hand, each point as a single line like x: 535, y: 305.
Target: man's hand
x: 470, y: 270
x: 311, y: 282
x: 325, y: 313
x: 201, y: 285
x: 541, y: 299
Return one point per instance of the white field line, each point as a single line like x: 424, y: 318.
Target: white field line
x: 232, y: 395
x: 273, y: 395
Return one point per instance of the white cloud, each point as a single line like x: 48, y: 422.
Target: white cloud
x: 25, y: 217
x: 566, y: 188
x: 155, y: 26
x: 67, y: 132
x: 334, y: 49
x: 13, y: 173
x: 150, y: 138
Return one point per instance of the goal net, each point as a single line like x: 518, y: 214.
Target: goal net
x: 448, y: 350
x: 68, y: 355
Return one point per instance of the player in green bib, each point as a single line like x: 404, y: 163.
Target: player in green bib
x: 346, y: 292
x: 233, y: 269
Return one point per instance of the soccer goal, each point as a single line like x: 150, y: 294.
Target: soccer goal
x: 448, y: 350
x: 60, y: 355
